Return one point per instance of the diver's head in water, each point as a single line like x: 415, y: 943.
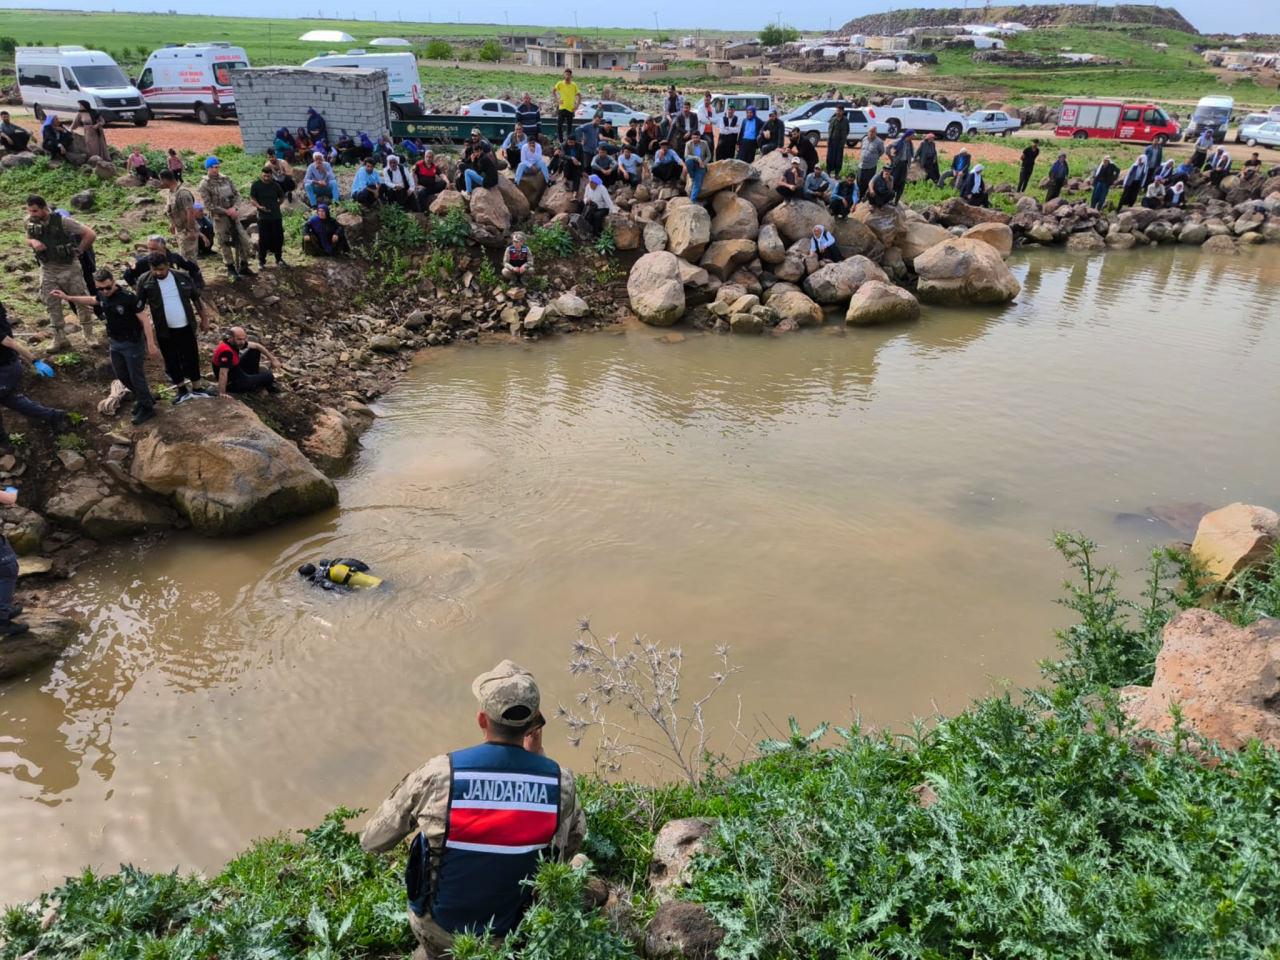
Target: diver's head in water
x: 307, y: 570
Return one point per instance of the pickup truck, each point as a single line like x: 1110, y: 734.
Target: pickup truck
x: 993, y: 122
x: 923, y: 116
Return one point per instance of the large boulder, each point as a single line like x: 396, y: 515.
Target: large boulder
x: 556, y: 199
x: 447, y: 200
x: 1221, y: 678
x: 769, y: 245
x: 796, y: 307
x: 725, y: 175
x: 49, y: 635
x: 763, y: 196
x: 1086, y: 241
x: 332, y: 442
x: 655, y: 236
x: 124, y: 515
x: 682, y: 931
x: 917, y: 236
x: 489, y: 210
x: 956, y: 213
x: 879, y: 302
x: 23, y: 528
x: 836, y: 282
x: 518, y: 205
x: 735, y: 218
x: 226, y: 471
x: 626, y: 232
x: 795, y: 220
x: 886, y: 223
x: 688, y: 231
x: 75, y: 497
x: 532, y: 186
x: 724, y: 256
x: 1235, y: 537
x: 1221, y: 244
x: 854, y: 237
x: 771, y: 166
x: 1193, y: 234
x: 674, y: 848
x: 962, y: 271
x: 999, y: 235
x: 655, y: 289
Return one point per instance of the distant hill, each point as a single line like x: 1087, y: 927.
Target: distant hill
x: 1038, y: 15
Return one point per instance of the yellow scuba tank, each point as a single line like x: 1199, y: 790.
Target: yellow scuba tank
x: 341, y: 573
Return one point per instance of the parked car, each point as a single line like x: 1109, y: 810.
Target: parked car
x: 619, y: 114
x: 807, y: 109
x: 1211, y: 112
x: 194, y: 78
x: 924, y: 116
x: 814, y: 125
x: 58, y: 78
x: 404, y: 88
x: 1248, y: 127
x: 498, y: 109
x: 1138, y: 120
x: 740, y: 101
x: 1267, y: 135
x: 993, y: 122
x: 1273, y: 113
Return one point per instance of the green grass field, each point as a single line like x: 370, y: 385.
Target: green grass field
x: 1176, y: 73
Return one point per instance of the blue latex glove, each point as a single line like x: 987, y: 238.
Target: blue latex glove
x: 43, y: 368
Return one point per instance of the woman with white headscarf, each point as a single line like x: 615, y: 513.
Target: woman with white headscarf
x: 973, y: 190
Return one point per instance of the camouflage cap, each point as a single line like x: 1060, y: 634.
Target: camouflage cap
x: 507, y: 694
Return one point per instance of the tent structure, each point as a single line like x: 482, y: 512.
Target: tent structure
x: 327, y: 36
x: 389, y: 42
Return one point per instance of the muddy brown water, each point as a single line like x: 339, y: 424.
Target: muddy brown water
x: 864, y: 517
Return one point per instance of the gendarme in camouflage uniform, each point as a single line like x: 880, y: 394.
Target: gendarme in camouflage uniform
x: 220, y: 195
x: 483, y: 818
x: 58, y: 254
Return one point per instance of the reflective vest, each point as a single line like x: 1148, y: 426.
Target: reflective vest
x: 503, y: 813
x: 59, y: 246
x: 517, y: 258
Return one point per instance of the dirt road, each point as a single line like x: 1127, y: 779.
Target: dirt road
x: 161, y: 134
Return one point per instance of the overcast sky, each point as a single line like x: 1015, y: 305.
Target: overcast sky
x: 1259, y: 16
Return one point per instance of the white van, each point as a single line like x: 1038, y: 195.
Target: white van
x: 192, y: 78
x: 58, y: 78
x: 763, y: 103
x: 1213, y: 113
x: 404, y: 88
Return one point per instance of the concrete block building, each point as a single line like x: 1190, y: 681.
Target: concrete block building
x: 268, y: 98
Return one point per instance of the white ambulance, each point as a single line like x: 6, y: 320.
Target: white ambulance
x: 194, y: 78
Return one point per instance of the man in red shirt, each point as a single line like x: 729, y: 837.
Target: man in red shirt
x: 237, y: 363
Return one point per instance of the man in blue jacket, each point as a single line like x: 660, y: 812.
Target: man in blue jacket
x: 483, y: 818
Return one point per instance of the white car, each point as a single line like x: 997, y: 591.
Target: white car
x: 497, y: 109
x: 813, y: 125
x: 619, y: 114
x: 1248, y: 127
x: 923, y: 116
x: 1267, y: 135
x: 997, y: 123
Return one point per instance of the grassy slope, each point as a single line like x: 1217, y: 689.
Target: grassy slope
x: 1050, y: 835
x: 1178, y: 73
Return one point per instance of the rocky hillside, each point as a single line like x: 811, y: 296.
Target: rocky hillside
x: 1039, y: 15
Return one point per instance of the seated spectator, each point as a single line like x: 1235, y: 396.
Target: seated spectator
x: 138, y: 167
x: 429, y: 177
x: 666, y: 166
x: 205, y: 233
x: 609, y: 136
x: 282, y: 174
x: 845, y: 197
x: 367, y: 146
x: 1154, y: 198
x: 55, y: 139
x: 881, y: 192
x: 823, y: 245
x: 630, y: 167
x: 568, y: 161
x: 631, y: 136
x: 12, y: 136
x: 531, y: 158
x: 973, y: 189
x: 347, y: 149
x: 285, y: 145
x: 319, y: 182
x: 483, y: 171
x: 596, y: 205
x: 791, y: 185
x: 158, y: 246
x: 237, y: 365
x: 604, y: 166
x: 959, y: 168
x: 511, y: 147
x: 367, y: 187
x: 398, y: 184
x: 1252, y: 166
x: 174, y: 164
x: 384, y: 148
x: 817, y: 186
x: 305, y: 145
x: 316, y: 127
x: 802, y: 147
x: 323, y: 235
x: 1177, y: 194
x: 517, y: 261
x: 650, y: 138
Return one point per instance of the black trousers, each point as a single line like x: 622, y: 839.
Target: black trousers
x: 270, y: 240
x: 564, y: 124
x: 864, y: 179
x: 1055, y: 188
x: 248, y: 375
x: 181, y: 354
x: 727, y: 146
x: 746, y: 150
x: 899, y: 180
x: 1024, y: 177
x: 931, y: 171
x: 8, y: 579
x: 595, y: 217
x: 667, y: 172
x: 835, y: 158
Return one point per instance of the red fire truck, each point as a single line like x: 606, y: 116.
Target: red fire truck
x: 1083, y: 118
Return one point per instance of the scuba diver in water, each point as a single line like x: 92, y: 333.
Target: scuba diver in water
x: 342, y: 572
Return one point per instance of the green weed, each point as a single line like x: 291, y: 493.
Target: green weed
x: 76, y: 418
x: 17, y: 439
x: 451, y: 230
x: 487, y: 275
x: 605, y: 245
x: 551, y: 241
x: 69, y: 359
x: 70, y: 441
x: 439, y: 266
